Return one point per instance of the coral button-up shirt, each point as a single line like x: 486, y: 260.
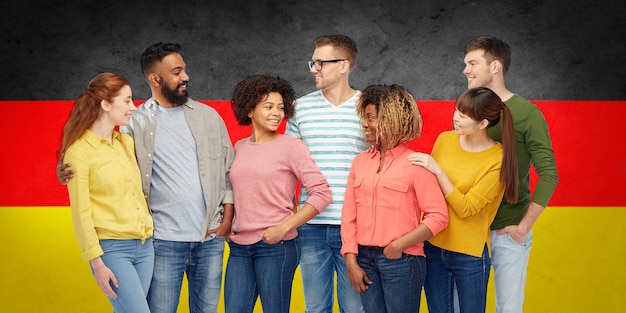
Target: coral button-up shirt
x: 380, y: 207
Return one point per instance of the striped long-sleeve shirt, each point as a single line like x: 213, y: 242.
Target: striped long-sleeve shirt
x: 333, y: 136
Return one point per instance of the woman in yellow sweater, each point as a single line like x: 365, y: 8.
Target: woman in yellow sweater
x: 474, y: 173
x: 111, y: 219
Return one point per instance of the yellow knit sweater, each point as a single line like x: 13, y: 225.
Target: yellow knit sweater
x: 474, y: 202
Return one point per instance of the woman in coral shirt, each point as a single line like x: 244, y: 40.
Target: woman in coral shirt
x: 390, y: 206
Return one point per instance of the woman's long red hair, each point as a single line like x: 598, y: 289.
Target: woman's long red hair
x: 86, y: 110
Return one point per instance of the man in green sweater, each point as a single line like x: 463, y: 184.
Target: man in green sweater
x: 487, y: 60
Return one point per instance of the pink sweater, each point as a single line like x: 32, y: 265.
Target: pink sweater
x: 381, y: 207
x: 264, y: 178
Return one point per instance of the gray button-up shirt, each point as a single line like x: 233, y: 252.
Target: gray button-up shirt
x: 214, y: 148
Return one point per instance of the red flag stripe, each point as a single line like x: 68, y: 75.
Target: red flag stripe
x: 585, y: 135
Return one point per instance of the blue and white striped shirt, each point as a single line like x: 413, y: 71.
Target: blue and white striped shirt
x: 334, y: 137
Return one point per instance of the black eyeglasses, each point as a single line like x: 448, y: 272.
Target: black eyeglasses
x: 318, y: 63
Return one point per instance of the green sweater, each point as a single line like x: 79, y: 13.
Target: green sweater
x: 533, y: 147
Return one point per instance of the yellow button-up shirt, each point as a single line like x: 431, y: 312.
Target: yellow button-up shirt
x: 105, y: 194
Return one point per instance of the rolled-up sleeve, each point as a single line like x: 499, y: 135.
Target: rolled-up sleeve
x: 80, y: 200
x: 348, y: 219
x: 431, y: 202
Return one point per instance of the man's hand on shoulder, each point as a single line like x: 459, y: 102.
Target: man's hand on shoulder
x: 64, y: 173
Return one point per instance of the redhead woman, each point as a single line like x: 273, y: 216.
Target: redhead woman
x: 111, y: 219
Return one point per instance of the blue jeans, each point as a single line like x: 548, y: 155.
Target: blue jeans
x: 321, y: 258
x: 131, y: 262
x: 260, y: 269
x: 202, y: 262
x: 510, y: 263
x: 470, y: 273
x: 396, y: 283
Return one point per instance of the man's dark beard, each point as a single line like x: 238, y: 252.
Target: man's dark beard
x: 173, y: 96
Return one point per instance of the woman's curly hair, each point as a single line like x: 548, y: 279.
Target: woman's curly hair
x: 254, y: 89
x: 399, y: 119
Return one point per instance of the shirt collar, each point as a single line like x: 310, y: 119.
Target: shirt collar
x: 95, y: 141
x: 395, y: 152
x: 398, y: 150
x: 151, y: 104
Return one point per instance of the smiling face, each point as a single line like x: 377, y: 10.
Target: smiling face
x: 330, y: 74
x: 173, y: 78
x: 268, y: 113
x: 477, y: 69
x: 464, y: 124
x: 370, y: 124
x: 121, y: 107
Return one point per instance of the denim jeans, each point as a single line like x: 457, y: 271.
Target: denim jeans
x: 396, y: 283
x: 260, y: 269
x: 202, y: 262
x: 131, y: 262
x: 470, y: 273
x: 510, y: 262
x: 321, y: 258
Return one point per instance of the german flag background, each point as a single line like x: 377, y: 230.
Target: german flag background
x: 567, y: 59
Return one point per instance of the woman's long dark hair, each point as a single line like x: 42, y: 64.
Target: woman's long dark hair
x: 482, y: 103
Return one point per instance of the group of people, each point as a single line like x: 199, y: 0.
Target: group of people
x: 157, y: 199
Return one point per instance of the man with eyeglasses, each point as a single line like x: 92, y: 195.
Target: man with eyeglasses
x: 326, y: 121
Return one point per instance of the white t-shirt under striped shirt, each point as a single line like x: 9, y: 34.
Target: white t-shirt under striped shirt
x: 334, y: 137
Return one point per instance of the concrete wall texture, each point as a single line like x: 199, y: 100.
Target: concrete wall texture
x: 561, y: 49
